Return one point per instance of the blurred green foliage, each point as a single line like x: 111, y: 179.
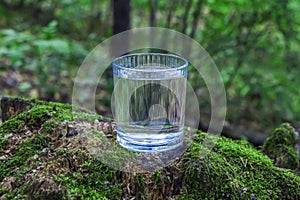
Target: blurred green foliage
x: 52, y: 59
x: 255, y: 44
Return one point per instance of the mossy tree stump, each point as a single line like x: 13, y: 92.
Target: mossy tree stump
x: 42, y: 157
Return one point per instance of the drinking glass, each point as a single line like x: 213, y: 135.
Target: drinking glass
x: 149, y: 101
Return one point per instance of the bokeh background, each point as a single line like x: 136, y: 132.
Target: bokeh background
x: 254, y: 43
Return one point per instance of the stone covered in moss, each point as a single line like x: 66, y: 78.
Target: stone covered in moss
x: 41, y: 151
x: 235, y: 170
x: 280, y: 147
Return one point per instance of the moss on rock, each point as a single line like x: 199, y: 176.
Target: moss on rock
x: 42, y: 152
x: 234, y: 171
x: 280, y: 147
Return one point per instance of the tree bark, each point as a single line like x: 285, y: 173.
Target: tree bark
x: 13, y: 107
x: 185, y: 16
x: 171, y: 9
x: 153, y: 9
x: 196, y: 16
x: 121, y: 14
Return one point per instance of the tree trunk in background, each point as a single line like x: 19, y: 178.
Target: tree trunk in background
x: 121, y: 22
x: 153, y: 9
x: 196, y: 16
x: 185, y: 16
x: 171, y: 9
x: 121, y: 11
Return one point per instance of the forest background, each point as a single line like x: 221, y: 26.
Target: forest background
x: 255, y: 44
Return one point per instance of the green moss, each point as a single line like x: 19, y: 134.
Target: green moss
x: 280, y: 147
x: 44, y: 115
x: 12, y: 126
x: 9, y: 127
x: 234, y: 171
x: 63, y: 111
x: 230, y: 170
x: 97, y: 182
x: 19, y: 163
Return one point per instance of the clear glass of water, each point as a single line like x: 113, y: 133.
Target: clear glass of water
x: 149, y: 101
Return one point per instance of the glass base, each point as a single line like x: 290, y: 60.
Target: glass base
x: 150, y: 144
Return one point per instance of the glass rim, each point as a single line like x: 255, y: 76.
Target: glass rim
x: 185, y: 65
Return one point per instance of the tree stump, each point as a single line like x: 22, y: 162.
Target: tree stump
x: 44, y: 155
